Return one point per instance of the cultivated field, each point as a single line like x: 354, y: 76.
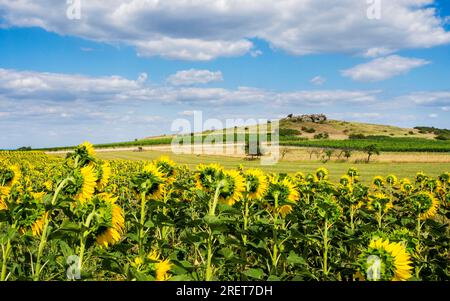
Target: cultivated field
x: 150, y: 218
x: 401, y: 164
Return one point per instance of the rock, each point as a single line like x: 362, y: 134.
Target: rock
x: 316, y: 118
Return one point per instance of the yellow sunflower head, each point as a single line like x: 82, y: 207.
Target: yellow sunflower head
x: 162, y: 270
x: 378, y: 181
x: 426, y: 204
x: 445, y: 178
x: 256, y: 184
x: 208, y: 176
x: 38, y: 225
x: 391, y: 180
x: 85, y: 183
x: 406, y: 186
x: 285, y: 210
x: 299, y: 176
x: 10, y: 176
x: 3, y: 204
x: 421, y: 177
x: 379, y: 201
x: 167, y: 167
x: 233, y: 187
x: 353, y: 172
x: 346, y: 181
x: 88, y: 148
x: 385, y: 261
x: 150, y: 181
x: 283, y: 190
x: 104, y: 173
x: 322, y: 173
x: 111, y: 221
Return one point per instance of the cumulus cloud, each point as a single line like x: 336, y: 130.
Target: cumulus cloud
x: 59, y: 88
x: 383, y: 68
x: 318, y: 80
x: 193, y: 76
x: 206, y: 29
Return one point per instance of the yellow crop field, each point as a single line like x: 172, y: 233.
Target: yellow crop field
x: 84, y: 218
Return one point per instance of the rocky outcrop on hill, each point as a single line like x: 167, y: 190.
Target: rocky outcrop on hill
x: 317, y: 118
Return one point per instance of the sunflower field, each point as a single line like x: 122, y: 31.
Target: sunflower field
x: 80, y: 218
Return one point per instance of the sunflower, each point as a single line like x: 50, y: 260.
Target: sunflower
x: 48, y: 185
x: 104, y: 175
x: 88, y: 147
x: 113, y: 221
x: 167, y: 167
x: 426, y: 204
x: 391, y: 180
x: 406, y: 186
x: 322, y: 173
x: 385, y: 261
x: 353, y: 172
x: 88, y: 178
x: 346, y: 181
x: 162, y: 268
x: 379, y: 201
x: 3, y: 205
x: 256, y: 184
x: 285, y: 210
x: 233, y: 187
x: 378, y: 181
x: 150, y: 181
x: 283, y: 190
x: 38, y: 225
x: 9, y: 177
x: 208, y: 176
x: 420, y: 177
x: 299, y: 176
x: 445, y: 178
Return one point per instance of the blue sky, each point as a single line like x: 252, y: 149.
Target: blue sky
x: 128, y: 69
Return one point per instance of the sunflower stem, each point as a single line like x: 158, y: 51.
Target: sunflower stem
x: 418, y: 228
x: 246, y: 211
x: 352, y: 213
x: 209, y: 272
x: 325, y: 248
x: 142, y: 223
x: 275, y: 235
x: 83, y: 240
x: 44, y: 234
x: 6, y: 253
x: 213, y: 205
x: 43, y: 242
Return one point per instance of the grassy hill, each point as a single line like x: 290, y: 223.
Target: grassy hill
x: 339, y: 130
x: 326, y: 134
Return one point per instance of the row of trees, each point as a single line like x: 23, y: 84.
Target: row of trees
x: 325, y: 154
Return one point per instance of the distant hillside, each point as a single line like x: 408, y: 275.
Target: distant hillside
x: 316, y: 130
x: 339, y: 130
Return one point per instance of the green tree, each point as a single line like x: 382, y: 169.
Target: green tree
x: 371, y: 150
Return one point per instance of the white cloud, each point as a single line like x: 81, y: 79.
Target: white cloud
x: 377, y: 51
x: 256, y: 53
x: 61, y: 89
x: 318, y: 80
x: 383, y: 68
x: 207, y: 29
x: 193, y: 76
x: 428, y: 98
x: 433, y: 115
x: 142, y: 78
